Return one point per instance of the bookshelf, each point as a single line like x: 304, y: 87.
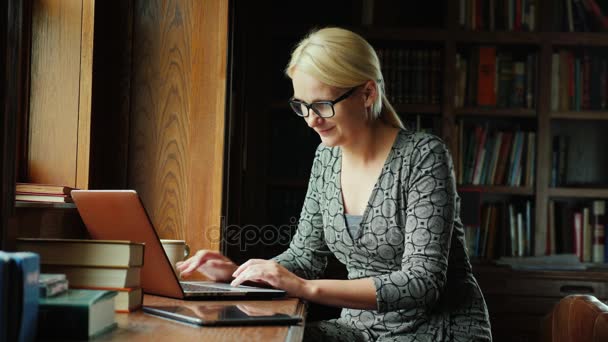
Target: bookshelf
x: 385, y: 30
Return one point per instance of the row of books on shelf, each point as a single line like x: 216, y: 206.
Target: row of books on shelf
x: 489, y: 156
x: 578, y: 80
x: 487, y: 77
x: 577, y: 229
x: 412, y: 75
x: 493, y: 15
x: 508, y: 230
x: 580, y: 15
x: 505, y: 229
x: 30, y: 192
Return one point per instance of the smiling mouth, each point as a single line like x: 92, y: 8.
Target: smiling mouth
x: 326, y: 130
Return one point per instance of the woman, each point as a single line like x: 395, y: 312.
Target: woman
x: 382, y: 199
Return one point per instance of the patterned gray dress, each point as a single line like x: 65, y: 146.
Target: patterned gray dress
x: 411, y: 243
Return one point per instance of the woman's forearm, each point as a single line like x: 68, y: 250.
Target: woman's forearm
x: 353, y: 294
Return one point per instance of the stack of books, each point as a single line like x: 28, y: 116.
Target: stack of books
x: 30, y: 192
x: 95, y: 265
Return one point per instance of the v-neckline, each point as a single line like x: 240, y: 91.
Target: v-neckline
x: 341, y: 209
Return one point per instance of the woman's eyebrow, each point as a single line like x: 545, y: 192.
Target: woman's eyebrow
x: 313, y: 100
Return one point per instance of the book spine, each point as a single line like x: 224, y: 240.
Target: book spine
x: 587, y: 236
x: 578, y: 235
x: 486, y: 73
x: 63, y: 322
x: 23, y: 293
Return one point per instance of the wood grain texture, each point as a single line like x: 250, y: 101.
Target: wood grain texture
x: 177, y: 120
x: 54, y: 95
x: 85, y: 94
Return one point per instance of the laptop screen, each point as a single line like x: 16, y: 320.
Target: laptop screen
x: 120, y: 215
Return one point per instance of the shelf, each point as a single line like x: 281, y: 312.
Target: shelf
x: 418, y: 108
x: 497, y: 112
x: 499, y: 189
x: 50, y: 205
x: 579, y: 192
x: 581, y: 115
x: 575, y: 38
x: 497, y: 37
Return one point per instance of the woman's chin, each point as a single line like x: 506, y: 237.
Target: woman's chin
x: 329, y: 141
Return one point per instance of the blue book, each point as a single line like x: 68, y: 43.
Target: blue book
x: 4, y: 276
x: 22, y: 294
x: 76, y: 314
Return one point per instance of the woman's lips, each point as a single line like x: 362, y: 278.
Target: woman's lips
x: 326, y: 131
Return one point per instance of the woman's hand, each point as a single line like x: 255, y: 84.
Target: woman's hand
x: 212, y: 265
x: 272, y: 273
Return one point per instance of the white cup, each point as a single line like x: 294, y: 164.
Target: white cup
x: 176, y: 250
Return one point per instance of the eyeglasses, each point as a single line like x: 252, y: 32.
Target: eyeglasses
x: 324, y: 109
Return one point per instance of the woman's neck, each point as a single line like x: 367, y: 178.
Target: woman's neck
x: 378, y: 137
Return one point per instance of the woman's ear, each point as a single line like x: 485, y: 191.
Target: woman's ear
x: 370, y: 93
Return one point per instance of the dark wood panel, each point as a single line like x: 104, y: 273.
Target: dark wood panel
x: 15, y: 23
x: 111, y: 94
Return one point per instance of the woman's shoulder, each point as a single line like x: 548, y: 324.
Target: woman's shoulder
x: 416, y: 140
x: 325, y: 154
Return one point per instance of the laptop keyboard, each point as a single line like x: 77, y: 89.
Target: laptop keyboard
x: 201, y: 288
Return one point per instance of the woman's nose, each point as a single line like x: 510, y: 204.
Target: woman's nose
x: 313, y: 119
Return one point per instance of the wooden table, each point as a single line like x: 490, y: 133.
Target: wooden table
x: 138, y: 326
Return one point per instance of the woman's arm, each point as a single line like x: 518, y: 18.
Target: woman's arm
x: 354, y: 294
x: 307, y: 252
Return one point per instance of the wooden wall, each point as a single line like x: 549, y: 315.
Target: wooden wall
x: 176, y: 140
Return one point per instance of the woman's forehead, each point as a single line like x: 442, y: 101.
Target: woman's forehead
x: 309, y: 89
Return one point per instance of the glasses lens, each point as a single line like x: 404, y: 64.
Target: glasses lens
x: 323, y: 109
x: 298, y: 107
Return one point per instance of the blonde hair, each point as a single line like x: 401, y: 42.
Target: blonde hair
x: 341, y: 58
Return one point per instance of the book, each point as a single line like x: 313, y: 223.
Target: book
x: 43, y: 198
x: 42, y: 189
x: 22, y: 295
x: 4, y: 260
x: 77, y: 252
x: 84, y: 276
x: 76, y: 314
x: 486, y: 74
x: 127, y: 299
x: 52, y: 284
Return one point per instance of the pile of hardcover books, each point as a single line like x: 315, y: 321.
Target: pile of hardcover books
x: 95, y: 265
x: 29, y: 192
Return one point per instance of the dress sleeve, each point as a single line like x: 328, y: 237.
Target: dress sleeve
x: 307, y: 252
x: 430, y: 193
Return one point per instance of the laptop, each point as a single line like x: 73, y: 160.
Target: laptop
x: 120, y: 215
